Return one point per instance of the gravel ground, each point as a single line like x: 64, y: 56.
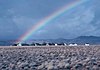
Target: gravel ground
x: 50, y: 58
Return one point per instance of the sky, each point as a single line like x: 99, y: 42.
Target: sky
x: 18, y: 16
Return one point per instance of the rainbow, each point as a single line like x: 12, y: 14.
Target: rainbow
x: 49, y: 18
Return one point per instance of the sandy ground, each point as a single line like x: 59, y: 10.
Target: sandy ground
x: 50, y: 58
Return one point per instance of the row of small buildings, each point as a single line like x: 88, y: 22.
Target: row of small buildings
x: 48, y: 44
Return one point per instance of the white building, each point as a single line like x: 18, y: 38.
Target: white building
x: 19, y: 44
x: 47, y: 44
x: 65, y: 44
x: 55, y: 44
x: 72, y: 44
x: 75, y: 44
x: 87, y: 44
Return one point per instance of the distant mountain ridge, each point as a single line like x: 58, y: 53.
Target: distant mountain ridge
x: 93, y: 40
x: 87, y: 39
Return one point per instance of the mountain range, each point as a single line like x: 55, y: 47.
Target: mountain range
x: 93, y: 40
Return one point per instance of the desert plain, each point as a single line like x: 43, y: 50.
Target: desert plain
x: 50, y: 58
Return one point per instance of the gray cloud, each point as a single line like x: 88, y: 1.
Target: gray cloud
x: 78, y: 23
x: 20, y: 15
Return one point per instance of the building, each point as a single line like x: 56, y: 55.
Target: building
x: 19, y: 44
x: 56, y: 44
x: 73, y: 44
x: 87, y: 44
